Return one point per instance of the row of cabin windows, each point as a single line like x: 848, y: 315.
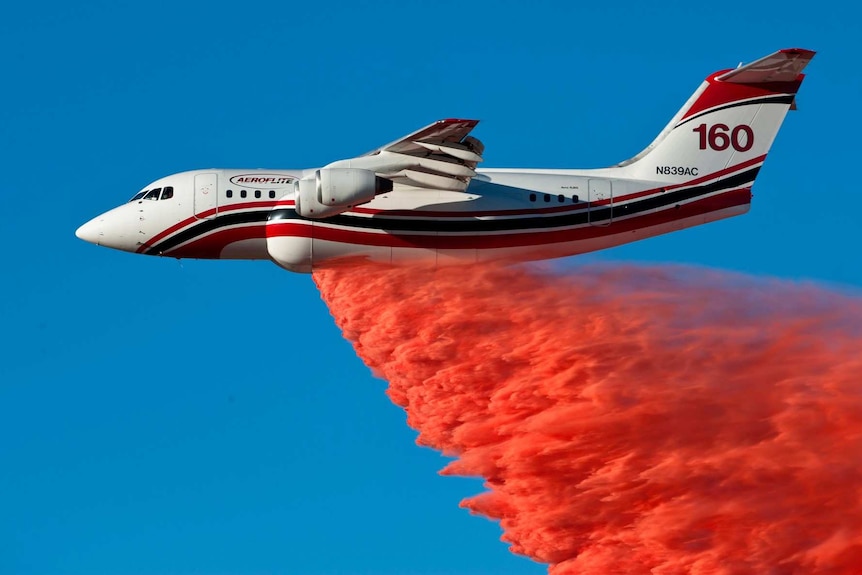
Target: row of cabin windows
x: 560, y: 198
x: 165, y: 193
x: 168, y: 192
x: 244, y: 193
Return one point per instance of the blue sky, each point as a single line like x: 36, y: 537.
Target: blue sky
x: 206, y: 417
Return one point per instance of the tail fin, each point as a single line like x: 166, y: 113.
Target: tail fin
x: 729, y: 123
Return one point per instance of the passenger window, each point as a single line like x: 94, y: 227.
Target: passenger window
x: 561, y: 198
x: 272, y: 194
x: 167, y: 193
x: 257, y: 193
x: 243, y: 193
x: 532, y: 197
x: 153, y: 194
x: 547, y: 197
x: 575, y: 199
x: 229, y: 193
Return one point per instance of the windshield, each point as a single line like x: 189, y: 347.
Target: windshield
x: 165, y: 193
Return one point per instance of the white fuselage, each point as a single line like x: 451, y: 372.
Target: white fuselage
x: 503, y: 214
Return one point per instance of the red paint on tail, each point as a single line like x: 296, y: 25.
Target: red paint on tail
x: 630, y: 420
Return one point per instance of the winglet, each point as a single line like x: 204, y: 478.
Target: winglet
x: 782, y: 66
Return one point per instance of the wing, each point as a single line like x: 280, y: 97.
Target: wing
x: 440, y: 156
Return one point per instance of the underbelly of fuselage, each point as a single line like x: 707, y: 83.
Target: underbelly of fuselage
x: 300, y: 244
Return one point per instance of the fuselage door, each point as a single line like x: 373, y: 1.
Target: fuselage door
x: 206, y: 196
x: 601, y: 200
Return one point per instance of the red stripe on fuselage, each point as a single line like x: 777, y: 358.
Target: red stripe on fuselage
x: 320, y: 231
x: 561, y: 209
x: 210, y: 246
x: 198, y: 217
x: 416, y: 214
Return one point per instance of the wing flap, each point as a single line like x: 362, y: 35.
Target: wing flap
x: 438, y: 164
x: 434, y: 181
x: 454, y: 149
x: 440, y: 156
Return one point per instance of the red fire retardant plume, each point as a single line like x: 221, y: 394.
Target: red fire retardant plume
x: 630, y: 420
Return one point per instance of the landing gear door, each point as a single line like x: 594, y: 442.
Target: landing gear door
x: 601, y: 200
x: 206, y: 196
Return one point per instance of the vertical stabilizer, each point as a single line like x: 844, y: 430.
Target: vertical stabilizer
x: 728, y: 124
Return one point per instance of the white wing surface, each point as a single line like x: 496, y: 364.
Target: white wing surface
x: 440, y: 156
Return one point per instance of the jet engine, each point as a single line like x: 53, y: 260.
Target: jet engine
x: 331, y: 191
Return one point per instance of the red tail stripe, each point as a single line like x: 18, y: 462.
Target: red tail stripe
x: 719, y: 93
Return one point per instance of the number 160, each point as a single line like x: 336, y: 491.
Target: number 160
x: 720, y: 136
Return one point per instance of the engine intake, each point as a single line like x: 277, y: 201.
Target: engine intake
x: 332, y: 191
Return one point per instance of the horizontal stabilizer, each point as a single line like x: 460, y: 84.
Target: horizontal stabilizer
x: 782, y: 66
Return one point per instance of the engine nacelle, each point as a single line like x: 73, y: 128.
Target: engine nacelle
x: 332, y: 191
x: 307, y: 204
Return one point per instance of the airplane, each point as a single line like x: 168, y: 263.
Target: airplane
x: 422, y: 197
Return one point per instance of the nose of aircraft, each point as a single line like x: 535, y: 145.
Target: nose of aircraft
x: 91, y: 231
x: 119, y: 228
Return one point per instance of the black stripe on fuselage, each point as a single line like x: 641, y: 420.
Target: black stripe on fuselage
x: 206, y: 226
x: 471, y: 225
x: 580, y: 217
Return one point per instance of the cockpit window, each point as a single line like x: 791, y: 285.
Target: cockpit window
x: 166, y: 193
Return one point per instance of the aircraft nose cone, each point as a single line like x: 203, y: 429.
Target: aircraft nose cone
x: 91, y: 231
